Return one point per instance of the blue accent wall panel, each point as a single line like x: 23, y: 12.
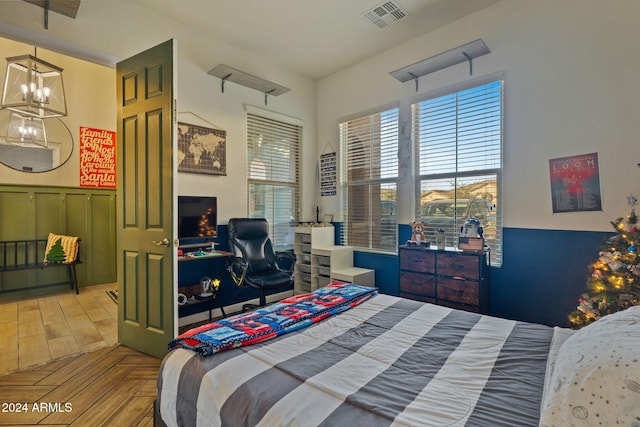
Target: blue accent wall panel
x: 542, y: 275
x: 386, y: 267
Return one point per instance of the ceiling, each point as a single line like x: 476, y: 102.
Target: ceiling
x: 313, y: 37
x: 65, y: 7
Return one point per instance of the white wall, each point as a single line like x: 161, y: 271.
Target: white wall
x: 119, y: 29
x: 570, y: 69
x: 571, y: 87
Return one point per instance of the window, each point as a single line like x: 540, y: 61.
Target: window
x: 369, y: 174
x: 458, y: 143
x: 273, y: 148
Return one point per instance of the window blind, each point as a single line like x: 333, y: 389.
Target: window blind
x: 458, y: 142
x: 273, y: 148
x: 369, y: 174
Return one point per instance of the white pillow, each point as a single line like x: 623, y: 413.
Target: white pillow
x: 596, y: 378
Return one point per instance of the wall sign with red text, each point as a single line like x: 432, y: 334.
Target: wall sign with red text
x: 97, y: 158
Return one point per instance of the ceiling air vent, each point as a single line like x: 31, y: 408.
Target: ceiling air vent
x: 385, y: 14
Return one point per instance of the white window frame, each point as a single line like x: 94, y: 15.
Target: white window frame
x: 275, y: 171
x: 369, y: 179
x: 462, y: 170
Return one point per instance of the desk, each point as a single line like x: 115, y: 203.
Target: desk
x: 202, y: 254
x: 189, y: 299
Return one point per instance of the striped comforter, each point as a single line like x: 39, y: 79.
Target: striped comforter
x: 387, y: 362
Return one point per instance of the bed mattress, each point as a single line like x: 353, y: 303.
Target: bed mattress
x: 389, y: 361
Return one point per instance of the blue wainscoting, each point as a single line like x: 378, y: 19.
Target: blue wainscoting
x: 542, y: 274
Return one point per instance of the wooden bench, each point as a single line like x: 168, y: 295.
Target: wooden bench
x: 16, y: 255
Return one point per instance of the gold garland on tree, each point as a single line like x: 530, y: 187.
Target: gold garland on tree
x: 614, y: 282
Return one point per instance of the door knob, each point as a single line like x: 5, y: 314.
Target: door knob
x: 164, y: 242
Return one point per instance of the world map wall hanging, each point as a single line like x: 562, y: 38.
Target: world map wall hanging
x: 202, y: 149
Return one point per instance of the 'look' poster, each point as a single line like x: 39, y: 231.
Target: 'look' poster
x: 575, y: 183
x: 97, y: 158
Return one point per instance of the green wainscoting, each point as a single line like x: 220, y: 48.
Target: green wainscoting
x: 32, y: 212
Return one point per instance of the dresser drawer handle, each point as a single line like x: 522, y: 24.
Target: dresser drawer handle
x: 459, y: 278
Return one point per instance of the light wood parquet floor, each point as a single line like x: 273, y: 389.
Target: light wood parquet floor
x: 61, y: 365
x: 37, y: 330
x: 112, y: 386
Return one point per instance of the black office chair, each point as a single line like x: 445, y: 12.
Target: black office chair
x: 255, y: 264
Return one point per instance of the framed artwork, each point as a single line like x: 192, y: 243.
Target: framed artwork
x: 575, y: 183
x: 328, y: 174
x: 97, y: 158
x: 202, y: 149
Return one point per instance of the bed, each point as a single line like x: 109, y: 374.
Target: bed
x: 390, y: 361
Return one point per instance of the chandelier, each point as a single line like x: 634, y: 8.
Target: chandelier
x: 33, y: 91
x: 34, y: 87
x: 26, y: 130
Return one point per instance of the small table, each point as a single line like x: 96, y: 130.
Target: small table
x: 355, y: 275
x: 208, y: 302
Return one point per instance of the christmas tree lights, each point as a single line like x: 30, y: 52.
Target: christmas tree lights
x: 614, y: 280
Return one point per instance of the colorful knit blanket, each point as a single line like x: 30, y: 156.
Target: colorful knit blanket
x: 277, y: 319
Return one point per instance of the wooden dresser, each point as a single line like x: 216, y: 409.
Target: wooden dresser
x: 446, y: 277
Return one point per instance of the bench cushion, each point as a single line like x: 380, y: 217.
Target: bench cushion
x: 61, y: 248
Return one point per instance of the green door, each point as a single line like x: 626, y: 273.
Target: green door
x: 146, y: 142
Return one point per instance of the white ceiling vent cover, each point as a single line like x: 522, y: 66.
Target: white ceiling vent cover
x: 385, y: 14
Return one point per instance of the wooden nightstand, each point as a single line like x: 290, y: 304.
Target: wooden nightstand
x: 452, y: 278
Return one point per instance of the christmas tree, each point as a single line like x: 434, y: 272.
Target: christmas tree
x: 614, y: 280
x: 56, y: 253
